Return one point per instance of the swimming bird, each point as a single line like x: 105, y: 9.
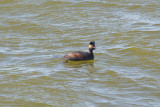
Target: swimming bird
x: 80, y: 55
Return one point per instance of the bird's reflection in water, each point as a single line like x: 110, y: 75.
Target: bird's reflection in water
x: 84, y: 65
x: 78, y: 64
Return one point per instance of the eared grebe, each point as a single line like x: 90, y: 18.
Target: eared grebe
x: 79, y: 55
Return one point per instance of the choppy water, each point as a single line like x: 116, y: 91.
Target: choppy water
x: 35, y: 34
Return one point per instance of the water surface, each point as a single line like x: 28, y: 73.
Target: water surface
x: 35, y: 35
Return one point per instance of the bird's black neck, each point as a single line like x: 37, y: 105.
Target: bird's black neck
x: 91, y: 53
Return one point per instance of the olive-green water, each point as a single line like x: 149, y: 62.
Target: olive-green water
x: 36, y: 34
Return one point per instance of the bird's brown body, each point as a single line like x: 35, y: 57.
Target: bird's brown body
x: 79, y: 55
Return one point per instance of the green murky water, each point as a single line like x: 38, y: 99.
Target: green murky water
x: 36, y: 34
